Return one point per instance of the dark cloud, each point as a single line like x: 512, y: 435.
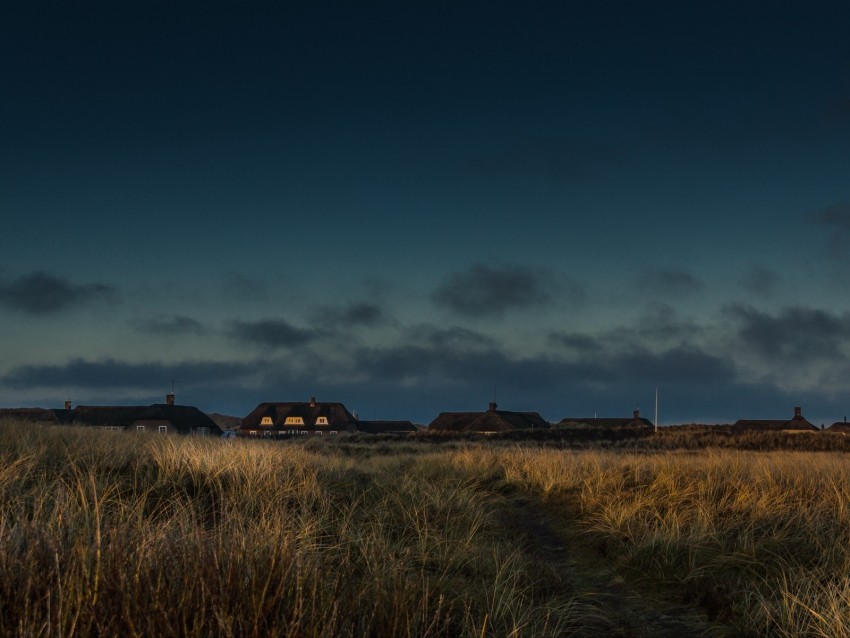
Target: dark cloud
x: 359, y: 314
x: 579, y: 344
x: 107, y: 374
x: 453, y: 337
x: 487, y: 291
x: 270, y: 333
x: 173, y: 326
x: 558, y: 158
x: 795, y: 335
x: 671, y: 282
x: 244, y: 288
x: 835, y: 220
x: 41, y: 293
x: 760, y: 281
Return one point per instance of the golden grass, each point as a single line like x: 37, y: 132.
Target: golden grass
x: 115, y: 534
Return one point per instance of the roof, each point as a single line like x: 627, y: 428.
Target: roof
x: 798, y: 423
x: 336, y: 413
x: 606, y: 422
x: 386, y: 427
x: 839, y: 426
x: 36, y: 415
x: 492, y: 420
x: 184, y: 418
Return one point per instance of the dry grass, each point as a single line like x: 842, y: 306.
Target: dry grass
x: 760, y: 540
x: 115, y: 534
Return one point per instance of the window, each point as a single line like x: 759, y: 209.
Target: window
x: 163, y: 429
x: 266, y: 420
x: 294, y: 420
x: 252, y: 433
x: 322, y: 420
x: 140, y: 428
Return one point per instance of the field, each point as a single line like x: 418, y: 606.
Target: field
x: 116, y: 534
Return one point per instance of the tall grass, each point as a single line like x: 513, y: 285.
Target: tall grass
x: 116, y: 534
x: 760, y: 540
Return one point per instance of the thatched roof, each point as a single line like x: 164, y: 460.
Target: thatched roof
x: 796, y: 424
x: 180, y: 418
x: 36, y: 415
x: 337, y: 415
x: 386, y: 427
x: 493, y: 420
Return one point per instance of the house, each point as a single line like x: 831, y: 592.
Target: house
x: 636, y: 421
x: 40, y: 416
x: 275, y: 420
x: 386, y: 427
x: 796, y: 424
x: 839, y: 427
x: 164, y: 418
x: 489, y: 422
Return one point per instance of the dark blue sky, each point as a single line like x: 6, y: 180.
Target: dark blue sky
x: 406, y: 208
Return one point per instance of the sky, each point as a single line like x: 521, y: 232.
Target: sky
x: 417, y: 207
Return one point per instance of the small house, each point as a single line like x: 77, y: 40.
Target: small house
x: 490, y: 422
x: 796, y: 424
x: 276, y: 420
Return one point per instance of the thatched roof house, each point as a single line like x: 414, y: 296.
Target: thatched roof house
x: 489, y: 422
x: 163, y: 418
x: 840, y: 427
x: 636, y: 421
x: 288, y: 418
x: 41, y: 416
x: 386, y: 427
x: 796, y: 424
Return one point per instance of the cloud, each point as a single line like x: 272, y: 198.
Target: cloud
x: 41, y: 293
x: 452, y: 337
x: 760, y: 281
x: 795, y: 335
x: 112, y: 374
x: 353, y: 315
x: 487, y: 291
x: 173, y: 326
x: 238, y: 286
x: 672, y: 282
x: 553, y: 157
x: 835, y: 220
x: 271, y: 333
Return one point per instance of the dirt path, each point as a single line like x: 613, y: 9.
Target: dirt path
x: 622, y: 608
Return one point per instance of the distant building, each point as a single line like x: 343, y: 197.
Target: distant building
x: 275, y: 420
x: 490, y: 422
x: 840, y: 427
x: 636, y: 421
x: 386, y: 427
x: 797, y: 424
x: 162, y: 418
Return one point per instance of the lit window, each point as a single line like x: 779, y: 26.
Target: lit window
x: 267, y: 420
x: 322, y: 420
x: 294, y: 420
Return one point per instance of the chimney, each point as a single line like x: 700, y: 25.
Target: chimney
x: 637, y: 415
x: 67, y: 405
x: 169, y: 398
x: 312, y: 402
x: 798, y: 412
x: 491, y: 407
